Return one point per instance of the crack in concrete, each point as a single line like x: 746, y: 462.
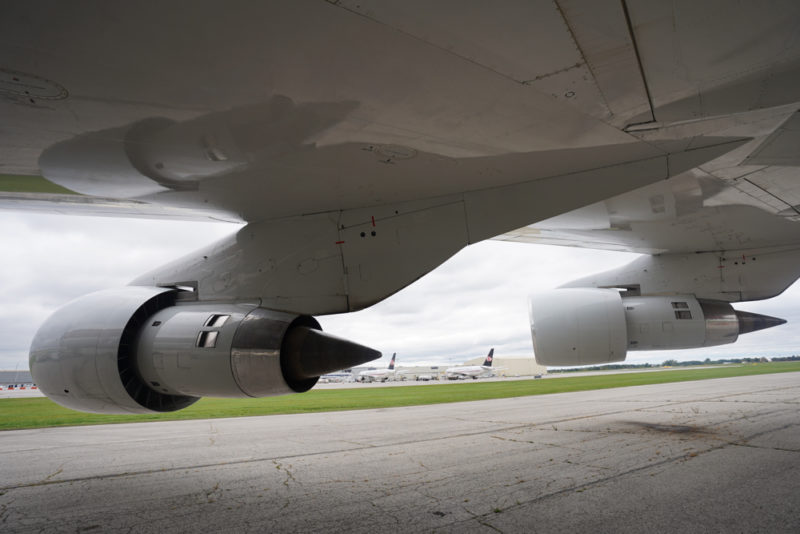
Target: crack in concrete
x: 488, y: 525
x: 55, y: 473
x: 386, y: 512
x: 4, y: 510
x: 213, y: 494
x: 478, y: 518
x: 289, y: 478
x: 781, y: 449
x: 212, y: 431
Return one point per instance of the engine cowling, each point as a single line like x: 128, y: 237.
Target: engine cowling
x: 143, y: 349
x: 588, y: 326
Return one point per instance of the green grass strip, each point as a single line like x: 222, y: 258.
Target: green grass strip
x: 14, y: 183
x: 41, y: 412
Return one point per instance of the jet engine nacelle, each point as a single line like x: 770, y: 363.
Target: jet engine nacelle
x: 582, y: 326
x: 142, y: 349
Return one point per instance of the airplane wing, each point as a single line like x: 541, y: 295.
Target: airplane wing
x: 363, y: 143
x: 746, y: 200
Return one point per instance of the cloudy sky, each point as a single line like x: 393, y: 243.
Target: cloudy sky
x: 476, y: 300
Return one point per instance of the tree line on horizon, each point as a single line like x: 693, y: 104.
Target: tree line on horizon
x: 676, y: 363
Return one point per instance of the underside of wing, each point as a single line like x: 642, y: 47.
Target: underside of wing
x: 365, y: 142
x: 749, y: 199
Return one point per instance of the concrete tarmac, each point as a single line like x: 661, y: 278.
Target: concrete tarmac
x: 707, y: 456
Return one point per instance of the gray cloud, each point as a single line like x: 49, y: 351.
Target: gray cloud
x: 48, y: 260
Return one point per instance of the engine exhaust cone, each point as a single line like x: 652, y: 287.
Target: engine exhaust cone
x: 309, y: 353
x: 751, y: 322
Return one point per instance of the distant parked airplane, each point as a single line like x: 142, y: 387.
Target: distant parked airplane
x: 381, y: 375
x: 473, y: 371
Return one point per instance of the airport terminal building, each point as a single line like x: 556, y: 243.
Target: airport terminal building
x: 15, y: 377
x: 512, y: 366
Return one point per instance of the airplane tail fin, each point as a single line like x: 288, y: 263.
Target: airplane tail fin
x: 489, y: 358
x: 391, y: 363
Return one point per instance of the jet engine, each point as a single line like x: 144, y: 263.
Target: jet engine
x: 583, y: 326
x: 152, y: 349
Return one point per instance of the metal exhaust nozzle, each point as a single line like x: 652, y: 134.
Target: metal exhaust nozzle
x: 309, y: 353
x: 751, y: 322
